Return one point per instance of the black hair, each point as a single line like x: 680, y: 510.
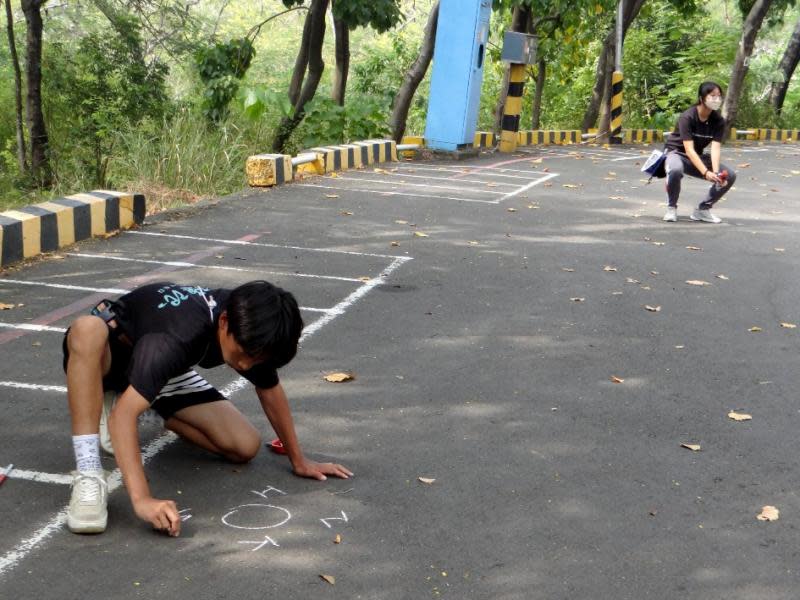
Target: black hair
x: 265, y: 321
x: 706, y: 88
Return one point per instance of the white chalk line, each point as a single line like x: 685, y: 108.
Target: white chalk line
x: 33, y: 386
x: 257, y: 244
x: 63, y: 286
x: 31, y: 327
x: 525, y: 188
x: 57, y: 522
x: 422, y: 185
x: 176, y: 263
x: 110, y: 291
x: 472, y: 172
x: 434, y: 179
x: 389, y: 193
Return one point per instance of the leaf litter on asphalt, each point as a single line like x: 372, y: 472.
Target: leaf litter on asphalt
x: 339, y: 377
x: 737, y: 416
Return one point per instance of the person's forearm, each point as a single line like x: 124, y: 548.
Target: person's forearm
x: 276, y: 408
x: 697, y: 161
x: 123, y: 425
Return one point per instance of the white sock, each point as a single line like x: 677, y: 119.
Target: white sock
x: 87, y: 452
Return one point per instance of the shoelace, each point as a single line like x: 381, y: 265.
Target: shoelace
x: 90, y: 488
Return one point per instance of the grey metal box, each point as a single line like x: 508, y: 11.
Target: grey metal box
x: 519, y: 48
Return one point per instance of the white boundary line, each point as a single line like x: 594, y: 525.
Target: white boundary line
x: 256, y: 244
x: 105, y: 291
x: 176, y: 263
x: 422, y: 185
x: 390, y: 193
x: 437, y: 179
x: 472, y: 172
x: 529, y: 186
x: 33, y: 386
x: 63, y: 286
x: 56, y: 523
x: 30, y: 327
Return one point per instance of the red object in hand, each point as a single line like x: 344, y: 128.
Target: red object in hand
x: 723, y: 175
x: 276, y: 446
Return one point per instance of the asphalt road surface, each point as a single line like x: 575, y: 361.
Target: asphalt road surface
x: 495, y: 314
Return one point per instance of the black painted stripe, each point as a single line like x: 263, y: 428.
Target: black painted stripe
x: 337, y: 160
x: 280, y: 170
x: 615, y: 113
x: 510, y: 123
x: 81, y: 217
x: 616, y: 88
x: 12, y: 240
x: 516, y: 89
x: 139, y: 208
x: 551, y: 135
x: 364, y: 155
x: 112, y: 214
x: 351, y: 157
x: 48, y: 235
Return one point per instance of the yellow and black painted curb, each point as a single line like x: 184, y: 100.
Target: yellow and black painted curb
x: 45, y: 227
x: 616, y: 107
x: 779, y: 135
x: 542, y: 137
x: 266, y: 170
x: 642, y: 136
x: 483, y: 139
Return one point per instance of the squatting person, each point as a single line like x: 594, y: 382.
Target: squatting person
x: 144, y: 346
x: 697, y: 128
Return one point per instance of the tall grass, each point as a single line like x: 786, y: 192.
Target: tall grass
x: 185, y: 160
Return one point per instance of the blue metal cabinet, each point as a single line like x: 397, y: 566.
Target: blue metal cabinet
x: 458, y: 58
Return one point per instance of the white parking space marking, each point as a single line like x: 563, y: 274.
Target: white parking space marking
x: 218, y: 267
x: 473, y: 171
x: 422, y: 185
x: 63, y: 286
x: 257, y: 244
x: 30, y: 327
x: 429, y: 178
x: 529, y: 186
x: 33, y: 386
x: 391, y: 193
x: 56, y: 478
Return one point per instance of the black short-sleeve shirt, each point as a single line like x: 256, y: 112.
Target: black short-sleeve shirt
x: 173, y: 328
x: 702, y: 133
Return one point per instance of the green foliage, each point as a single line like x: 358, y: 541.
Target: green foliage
x: 91, y: 92
x: 381, y: 15
x: 325, y: 122
x: 221, y: 66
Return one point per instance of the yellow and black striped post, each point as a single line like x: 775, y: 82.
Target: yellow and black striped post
x: 516, y: 85
x: 616, y: 108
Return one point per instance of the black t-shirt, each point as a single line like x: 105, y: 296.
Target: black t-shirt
x: 690, y: 127
x: 173, y: 328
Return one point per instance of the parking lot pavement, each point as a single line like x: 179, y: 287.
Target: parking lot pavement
x: 525, y: 332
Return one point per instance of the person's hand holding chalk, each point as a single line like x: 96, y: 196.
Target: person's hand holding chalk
x: 161, y: 514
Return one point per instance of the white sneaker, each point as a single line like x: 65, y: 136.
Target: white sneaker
x: 88, y: 505
x: 704, y: 215
x: 671, y: 215
x: 109, y: 398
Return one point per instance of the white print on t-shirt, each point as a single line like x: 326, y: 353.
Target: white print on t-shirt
x: 174, y: 295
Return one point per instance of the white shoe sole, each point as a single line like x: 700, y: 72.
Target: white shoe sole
x: 701, y: 220
x: 79, y: 526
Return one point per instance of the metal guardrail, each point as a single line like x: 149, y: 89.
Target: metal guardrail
x: 304, y: 158
x: 407, y: 147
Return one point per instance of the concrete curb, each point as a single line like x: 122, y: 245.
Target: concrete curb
x: 45, y: 227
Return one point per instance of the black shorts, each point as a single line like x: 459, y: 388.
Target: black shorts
x: 188, y: 389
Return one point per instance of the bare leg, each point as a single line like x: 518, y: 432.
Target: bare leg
x: 89, y: 361
x: 218, y: 427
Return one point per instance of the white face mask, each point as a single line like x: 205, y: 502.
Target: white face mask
x: 713, y: 103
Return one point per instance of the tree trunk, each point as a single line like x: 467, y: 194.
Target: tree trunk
x: 750, y: 29
x: 37, y: 132
x: 342, y: 60
x: 537, y: 97
x: 520, y: 22
x: 402, y: 102
x: 22, y: 158
x: 788, y: 64
x: 301, y: 62
x: 605, y: 68
x: 315, y: 68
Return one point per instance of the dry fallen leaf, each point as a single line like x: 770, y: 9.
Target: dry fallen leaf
x: 616, y: 379
x: 652, y: 308
x: 536, y: 161
x: 381, y: 171
x: 395, y: 243
x: 739, y: 416
x: 788, y: 325
x: 347, y: 213
x: 339, y: 377
x: 426, y: 480
x: 401, y: 222
x: 699, y: 282
x: 692, y: 447
x: 473, y: 243
x: 693, y: 248
x: 335, y: 175
x: 337, y: 539
x: 567, y: 269
x: 631, y: 280
x: 653, y: 273
x: 365, y: 278
x: 609, y: 268
x: 577, y: 299
x: 743, y: 165
x: 569, y: 186
x: 779, y: 249
x: 329, y: 578
x: 331, y: 195
x: 755, y: 329
x: 616, y: 197
x: 659, y: 244
x: 511, y: 209
x: 420, y: 234
x: 768, y: 513
x: 723, y: 277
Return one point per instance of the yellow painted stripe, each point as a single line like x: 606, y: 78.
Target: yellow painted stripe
x: 98, y: 211
x: 126, y: 211
x: 65, y: 218
x: 31, y: 232
x: 513, y: 105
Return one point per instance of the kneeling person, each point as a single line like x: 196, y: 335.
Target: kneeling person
x: 144, y: 347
